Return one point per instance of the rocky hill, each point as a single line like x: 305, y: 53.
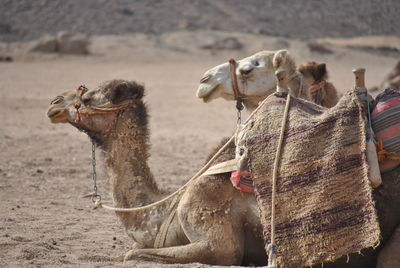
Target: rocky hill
x: 22, y: 20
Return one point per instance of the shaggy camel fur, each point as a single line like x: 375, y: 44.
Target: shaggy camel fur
x: 320, y: 91
x: 214, y: 222
x: 256, y: 79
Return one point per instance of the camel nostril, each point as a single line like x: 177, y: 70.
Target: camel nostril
x: 57, y: 100
x: 205, y: 78
x: 245, y: 71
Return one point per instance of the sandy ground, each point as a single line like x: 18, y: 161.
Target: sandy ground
x: 45, y: 168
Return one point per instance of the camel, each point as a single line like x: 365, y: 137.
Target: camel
x: 320, y: 91
x: 256, y: 80
x: 392, y: 80
x: 214, y: 223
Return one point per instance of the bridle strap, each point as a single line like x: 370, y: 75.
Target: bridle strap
x: 235, y: 87
x: 105, y: 108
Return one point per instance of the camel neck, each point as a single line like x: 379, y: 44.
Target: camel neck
x: 126, y: 154
x: 252, y: 103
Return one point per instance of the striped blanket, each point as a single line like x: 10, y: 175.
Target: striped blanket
x: 386, y: 124
x: 324, y: 201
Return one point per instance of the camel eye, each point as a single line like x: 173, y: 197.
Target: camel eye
x: 57, y: 100
x: 256, y: 63
x: 85, y: 101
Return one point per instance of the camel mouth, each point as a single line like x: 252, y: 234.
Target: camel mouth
x: 56, y: 115
x: 205, y: 92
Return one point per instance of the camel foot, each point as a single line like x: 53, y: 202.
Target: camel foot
x: 120, y: 258
x: 140, y: 254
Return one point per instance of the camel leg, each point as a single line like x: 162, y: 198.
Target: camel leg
x: 221, y: 244
x: 214, y: 231
x: 194, y: 252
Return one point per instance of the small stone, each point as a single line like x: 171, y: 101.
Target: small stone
x: 40, y: 171
x: 114, y: 238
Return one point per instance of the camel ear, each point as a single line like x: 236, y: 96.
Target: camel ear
x: 124, y: 90
x: 321, y: 72
x: 279, y: 58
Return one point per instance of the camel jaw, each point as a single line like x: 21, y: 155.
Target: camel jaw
x: 207, y: 92
x: 57, y: 115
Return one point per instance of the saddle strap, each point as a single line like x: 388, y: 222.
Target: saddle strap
x: 223, y: 167
x: 161, y: 236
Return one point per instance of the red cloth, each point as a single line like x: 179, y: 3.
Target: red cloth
x: 242, y: 181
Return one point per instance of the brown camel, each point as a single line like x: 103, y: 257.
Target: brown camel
x: 214, y: 223
x: 256, y: 79
x: 320, y: 91
x: 392, y: 80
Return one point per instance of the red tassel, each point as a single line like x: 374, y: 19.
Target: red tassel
x: 236, y: 178
x: 77, y: 116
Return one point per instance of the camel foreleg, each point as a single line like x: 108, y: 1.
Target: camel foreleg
x: 194, y: 252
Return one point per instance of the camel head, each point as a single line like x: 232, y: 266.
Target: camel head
x: 95, y: 112
x: 256, y: 77
x: 313, y: 72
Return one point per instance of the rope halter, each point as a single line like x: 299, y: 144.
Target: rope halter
x: 82, y: 109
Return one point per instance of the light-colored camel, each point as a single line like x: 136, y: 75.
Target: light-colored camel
x: 214, y: 222
x: 256, y: 79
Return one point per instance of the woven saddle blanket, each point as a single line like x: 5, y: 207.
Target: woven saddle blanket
x: 324, y: 205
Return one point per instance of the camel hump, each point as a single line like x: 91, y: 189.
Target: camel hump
x: 119, y: 90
